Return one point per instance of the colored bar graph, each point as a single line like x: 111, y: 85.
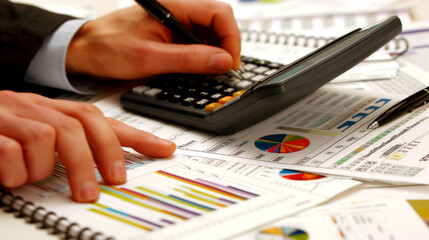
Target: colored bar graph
x: 127, y: 215
x: 226, y: 201
x: 178, y: 199
x: 130, y: 199
x: 106, y: 214
x: 202, y: 185
x: 170, y: 200
x: 160, y: 202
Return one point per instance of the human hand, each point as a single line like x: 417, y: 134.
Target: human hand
x: 33, y: 129
x: 130, y: 44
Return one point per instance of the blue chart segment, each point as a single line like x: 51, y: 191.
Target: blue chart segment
x: 282, y: 143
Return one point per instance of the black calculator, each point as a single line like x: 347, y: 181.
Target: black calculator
x: 225, y: 104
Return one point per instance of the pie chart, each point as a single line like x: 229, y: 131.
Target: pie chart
x: 299, y: 176
x: 282, y: 143
x: 282, y: 233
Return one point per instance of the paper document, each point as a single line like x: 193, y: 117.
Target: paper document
x: 381, y: 219
x: 166, y: 199
x: 323, y: 133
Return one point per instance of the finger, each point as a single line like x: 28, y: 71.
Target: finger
x: 13, y: 172
x: 37, y: 141
x: 216, y: 15
x: 192, y: 58
x: 71, y: 144
x: 143, y: 142
x: 102, y: 140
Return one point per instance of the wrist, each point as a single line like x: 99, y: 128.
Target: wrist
x: 76, y: 51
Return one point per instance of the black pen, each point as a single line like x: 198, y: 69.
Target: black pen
x: 416, y: 100
x: 160, y: 13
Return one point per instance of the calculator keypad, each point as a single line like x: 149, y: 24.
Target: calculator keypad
x: 206, y: 91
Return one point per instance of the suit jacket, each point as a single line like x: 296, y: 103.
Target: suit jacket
x: 22, y: 31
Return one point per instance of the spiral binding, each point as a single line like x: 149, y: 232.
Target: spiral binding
x: 395, y: 47
x: 46, y: 219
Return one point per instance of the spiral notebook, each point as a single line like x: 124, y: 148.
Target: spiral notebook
x: 162, y: 199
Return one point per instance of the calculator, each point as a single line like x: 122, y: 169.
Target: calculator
x: 225, y: 104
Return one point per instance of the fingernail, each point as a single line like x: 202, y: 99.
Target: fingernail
x: 88, y: 191
x: 119, y: 172
x: 220, y: 62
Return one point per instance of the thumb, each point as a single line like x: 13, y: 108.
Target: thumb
x: 194, y: 58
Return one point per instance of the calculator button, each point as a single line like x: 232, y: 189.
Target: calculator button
x: 212, y: 106
x: 140, y: 89
x: 260, y: 70
x: 201, y: 103
x: 238, y: 93
x: 163, y: 95
x: 257, y: 78
x: 191, y: 92
x: 274, y: 65
x: 216, y: 96
x: 203, y: 94
x: 271, y: 71
x: 188, y: 101
x: 152, y: 92
x: 249, y: 66
x: 225, y: 99
x: 175, y: 98
x: 262, y: 62
x: 247, y: 75
x: 220, y: 78
x: 232, y: 81
x: 248, y: 59
x: 243, y: 84
x: 229, y: 91
x: 218, y: 88
x: 206, y: 85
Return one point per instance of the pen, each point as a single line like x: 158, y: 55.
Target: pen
x: 416, y: 100
x: 165, y: 17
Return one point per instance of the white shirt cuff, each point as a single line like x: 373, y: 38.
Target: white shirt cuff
x: 47, y: 68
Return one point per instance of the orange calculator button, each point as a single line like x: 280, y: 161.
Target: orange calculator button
x: 210, y: 107
x: 238, y: 93
x: 224, y: 99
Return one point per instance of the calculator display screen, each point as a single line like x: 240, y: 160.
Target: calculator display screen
x: 316, y: 56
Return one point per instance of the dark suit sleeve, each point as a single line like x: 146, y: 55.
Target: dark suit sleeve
x: 22, y: 31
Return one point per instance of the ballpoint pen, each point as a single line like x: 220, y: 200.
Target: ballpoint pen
x: 416, y: 100
x: 162, y: 15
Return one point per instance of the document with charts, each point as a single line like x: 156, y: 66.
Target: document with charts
x: 169, y: 198
x: 381, y: 219
x: 324, y: 133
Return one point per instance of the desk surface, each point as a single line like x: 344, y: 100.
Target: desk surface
x: 12, y: 228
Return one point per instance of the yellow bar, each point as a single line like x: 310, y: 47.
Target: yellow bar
x: 173, y: 199
x: 119, y: 219
x: 140, y: 203
x: 200, y: 198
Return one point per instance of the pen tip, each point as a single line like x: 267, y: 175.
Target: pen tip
x: 373, y: 125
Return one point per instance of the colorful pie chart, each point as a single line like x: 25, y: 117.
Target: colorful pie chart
x: 282, y: 233
x: 299, y: 176
x: 282, y: 143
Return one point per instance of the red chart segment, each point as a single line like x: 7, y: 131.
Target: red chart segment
x: 282, y: 143
x: 299, y: 176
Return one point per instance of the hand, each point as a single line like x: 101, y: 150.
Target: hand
x: 33, y: 129
x: 130, y: 44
